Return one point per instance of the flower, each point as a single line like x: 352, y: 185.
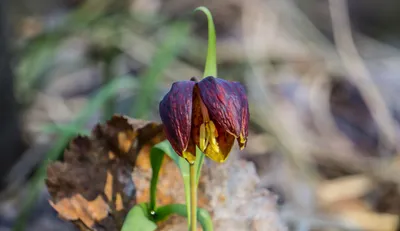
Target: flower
x: 209, y: 114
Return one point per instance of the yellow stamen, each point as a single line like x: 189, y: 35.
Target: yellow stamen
x: 213, y: 134
x: 208, y: 136
x: 242, y: 141
x: 189, y: 156
x: 208, y: 132
x: 203, y: 142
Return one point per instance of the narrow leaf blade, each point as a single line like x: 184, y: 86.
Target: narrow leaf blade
x: 183, y: 165
x: 211, y: 61
x: 156, y: 159
x: 209, y: 70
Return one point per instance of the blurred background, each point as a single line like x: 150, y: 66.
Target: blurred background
x: 322, y: 79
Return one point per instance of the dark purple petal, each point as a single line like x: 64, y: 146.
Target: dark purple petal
x: 176, y: 114
x: 244, y: 128
x: 227, y: 105
x: 197, y: 117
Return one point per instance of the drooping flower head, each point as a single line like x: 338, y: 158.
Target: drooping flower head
x: 209, y: 114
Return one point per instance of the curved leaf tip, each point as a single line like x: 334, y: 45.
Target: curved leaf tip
x: 211, y: 60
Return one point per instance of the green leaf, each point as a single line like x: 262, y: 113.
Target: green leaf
x: 156, y: 158
x: 139, y: 220
x: 209, y: 70
x: 203, y: 216
x: 183, y: 165
x: 211, y: 61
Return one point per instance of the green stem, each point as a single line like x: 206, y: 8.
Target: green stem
x: 193, y: 198
x: 199, y: 164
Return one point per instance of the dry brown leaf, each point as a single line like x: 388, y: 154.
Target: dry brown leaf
x: 93, y: 186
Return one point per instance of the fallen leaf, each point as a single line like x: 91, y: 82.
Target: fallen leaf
x: 93, y: 186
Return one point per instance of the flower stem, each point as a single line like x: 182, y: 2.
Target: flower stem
x: 193, y: 198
